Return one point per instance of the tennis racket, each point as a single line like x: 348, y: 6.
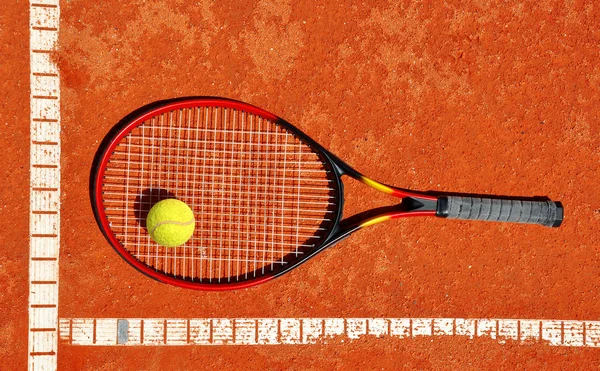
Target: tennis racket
x: 265, y: 196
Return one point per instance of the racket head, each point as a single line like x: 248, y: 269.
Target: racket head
x: 256, y: 169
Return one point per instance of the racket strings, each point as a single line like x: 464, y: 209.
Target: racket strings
x: 259, y: 194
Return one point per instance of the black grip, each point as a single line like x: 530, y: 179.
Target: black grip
x: 546, y: 213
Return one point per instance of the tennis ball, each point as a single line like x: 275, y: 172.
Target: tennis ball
x: 170, y: 222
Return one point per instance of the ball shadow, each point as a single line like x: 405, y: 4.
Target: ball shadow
x: 148, y: 198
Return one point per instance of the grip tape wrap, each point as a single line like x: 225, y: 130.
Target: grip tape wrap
x: 546, y: 213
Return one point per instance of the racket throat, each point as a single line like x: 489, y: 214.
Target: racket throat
x: 418, y: 204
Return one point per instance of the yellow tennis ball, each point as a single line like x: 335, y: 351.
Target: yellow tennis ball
x: 170, y: 222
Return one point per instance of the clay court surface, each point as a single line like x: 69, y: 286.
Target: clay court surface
x: 477, y: 97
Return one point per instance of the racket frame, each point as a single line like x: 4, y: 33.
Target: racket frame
x: 421, y: 204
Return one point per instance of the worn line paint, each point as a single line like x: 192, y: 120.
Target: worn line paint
x: 304, y: 331
x: 44, y: 185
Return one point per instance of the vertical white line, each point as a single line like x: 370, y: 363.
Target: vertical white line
x: 258, y: 174
x: 44, y: 186
x: 239, y: 209
x: 283, y: 195
x: 231, y: 191
x: 203, y: 211
x: 141, y: 206
x: 191, y: 194
x: 214, y: 111
x: 151, y: 188
x: 168, y: 180
x: 195, y: 112
x: 160, y: 174
x: 127, y: 141
x: 298, y: 203
x: 265, y: 199
x: 178, y: 195
x: 249, y: 192
x: 272, y: 237
x: 171, y: 255
x: 225, y: 117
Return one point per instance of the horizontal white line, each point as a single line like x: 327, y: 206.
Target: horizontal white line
x: 225, y: 131
x: 213, y: 214
x: 201, y: 222
x: 265, y: 212
x: 201, y: 153
x: 258, y: 241
x: 122, y: 158
x: 169, y: 260
x: 127, y: 141
x: 260, y: 234
x: 322, y: 192
x: 301, y: 331
x: 248, y: 183
x: 148, y: 255
x: 194, y: 192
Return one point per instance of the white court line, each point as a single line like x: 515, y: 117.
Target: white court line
x: 44, y: 218
x: 302, y: 331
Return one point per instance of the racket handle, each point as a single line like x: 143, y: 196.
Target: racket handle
x: 546, y: 213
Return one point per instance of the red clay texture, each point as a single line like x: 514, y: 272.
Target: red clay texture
x: 498, y: 98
